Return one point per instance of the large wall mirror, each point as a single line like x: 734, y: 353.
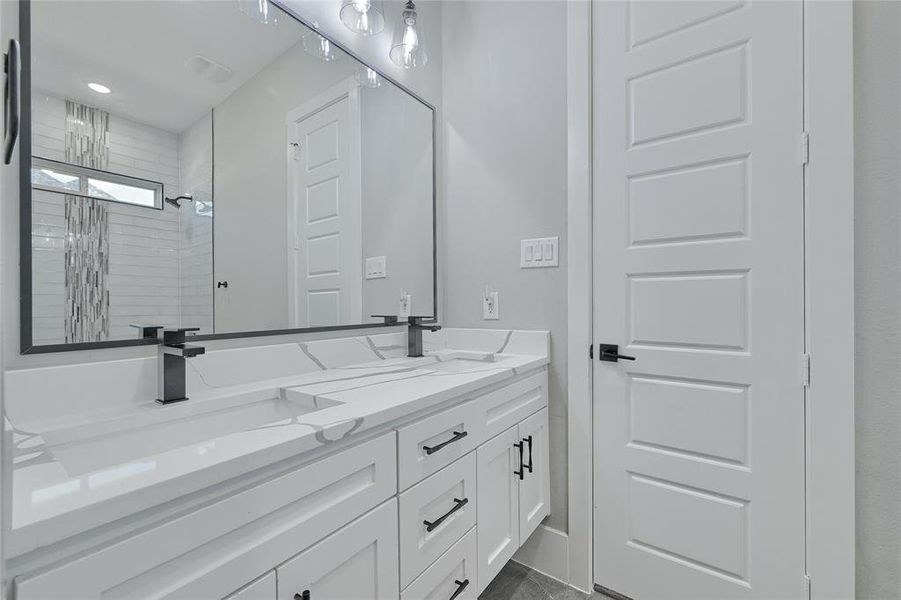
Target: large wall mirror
x: 193, y: 166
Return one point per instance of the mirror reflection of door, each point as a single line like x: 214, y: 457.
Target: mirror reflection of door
x: 324, y: 213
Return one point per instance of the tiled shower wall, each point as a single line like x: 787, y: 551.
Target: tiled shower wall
x: 145, y: 279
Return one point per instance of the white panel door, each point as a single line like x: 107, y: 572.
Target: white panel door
x: 358, y: 562
x: 497, y: 509
x: 699, y: 443
x: 535, y: 486
x: 324, y: 213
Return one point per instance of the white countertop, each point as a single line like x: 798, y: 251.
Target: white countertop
x: 67, y: 480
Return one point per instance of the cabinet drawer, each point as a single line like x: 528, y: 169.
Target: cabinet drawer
x: 261, y: 589
x: 358, y: 562
x: 504, y: 408
x: 214, y: 550
x: 447, y: 501
x: 433, y: 443
x: 454, y: 571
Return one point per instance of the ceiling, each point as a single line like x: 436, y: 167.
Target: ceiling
x: 138, y: 48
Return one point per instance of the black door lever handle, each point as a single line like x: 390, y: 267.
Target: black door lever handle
x: 610, y: 353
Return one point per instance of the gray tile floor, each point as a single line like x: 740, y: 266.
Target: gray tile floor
x: 516, y: 582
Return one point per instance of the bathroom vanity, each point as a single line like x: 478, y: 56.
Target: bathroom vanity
x: 370, y: 475
x: 203, y: 462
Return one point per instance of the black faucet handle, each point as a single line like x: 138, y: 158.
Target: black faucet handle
x: 176, y: 335
x: 417, y: 323
x: 147, y: 332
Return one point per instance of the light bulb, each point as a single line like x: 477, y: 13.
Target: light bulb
x: 320, y: 47
x: 258, y: 10
x: 368, y: 78
x: 362, y: 16
x: 408, y: 51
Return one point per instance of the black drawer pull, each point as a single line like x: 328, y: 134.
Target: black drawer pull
x: 458, y: 504
x: 458, y: 435
x: 304, y: 596
x: 529, y: 466
x: 461, y: 585
x: 521, y: 470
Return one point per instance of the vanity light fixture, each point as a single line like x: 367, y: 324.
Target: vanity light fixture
x: 258, y: 10
x: 407, y: 50
x: 318, y: 46
x: 99, y: 88
x: 362, y: 16
x: 368, y: 78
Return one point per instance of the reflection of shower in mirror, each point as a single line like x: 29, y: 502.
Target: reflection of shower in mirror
x: 174, y: 201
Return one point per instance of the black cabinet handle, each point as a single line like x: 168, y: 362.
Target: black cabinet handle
x: 610, y: 353
x: 12, y: 99
x: 221, y: 284
x: 529, y: 466
x: 458, y: 435
x: 305, y: 595
x: 458, y: 504
x: 461, y: 585
x: 520, y: 472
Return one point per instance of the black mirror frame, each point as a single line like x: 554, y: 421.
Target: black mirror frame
x: 26, y: 342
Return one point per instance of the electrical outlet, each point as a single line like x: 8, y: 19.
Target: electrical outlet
x: 490, y: 307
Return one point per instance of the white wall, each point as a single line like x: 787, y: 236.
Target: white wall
x: 504, y: 104
x: 396, y: 174
x: 877, y: 233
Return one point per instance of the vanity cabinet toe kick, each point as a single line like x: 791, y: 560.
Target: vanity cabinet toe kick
x: 397, y: 516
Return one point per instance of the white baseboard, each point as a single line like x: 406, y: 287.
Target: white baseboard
x: 546, y: 551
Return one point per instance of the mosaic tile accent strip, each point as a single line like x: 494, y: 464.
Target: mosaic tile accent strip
x: 87, y: 230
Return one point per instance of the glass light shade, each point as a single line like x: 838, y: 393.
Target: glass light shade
x: 368, y: 78
x: 258, y: 10
x: 362, y: 16
x: 316, y: 45
x: 407, y: 50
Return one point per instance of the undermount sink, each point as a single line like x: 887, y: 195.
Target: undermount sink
x: 465, y: 364
x: 80, y: 454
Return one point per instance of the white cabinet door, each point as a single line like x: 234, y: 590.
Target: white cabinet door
x: 358, y: 562
x: 261, y: 589
x: 497, y: 487
x: 535, y: 486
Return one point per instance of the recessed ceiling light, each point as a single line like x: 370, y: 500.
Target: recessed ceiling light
x: 99, y: 88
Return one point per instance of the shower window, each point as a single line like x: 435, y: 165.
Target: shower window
x: 73, y: 180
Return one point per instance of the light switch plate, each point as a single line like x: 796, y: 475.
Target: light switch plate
x: 376, y: 267
x: 539, y: 252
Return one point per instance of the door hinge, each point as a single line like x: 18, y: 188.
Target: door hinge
x: 807, y: 591
x: 591, y: 351
x: 805, y: 147
x: 805, y: 370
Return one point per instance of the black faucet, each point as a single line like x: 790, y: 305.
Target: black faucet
x: 172, y: 354
x: 415, y: 327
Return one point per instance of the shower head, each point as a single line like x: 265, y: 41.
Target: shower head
x: 174, y: 201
